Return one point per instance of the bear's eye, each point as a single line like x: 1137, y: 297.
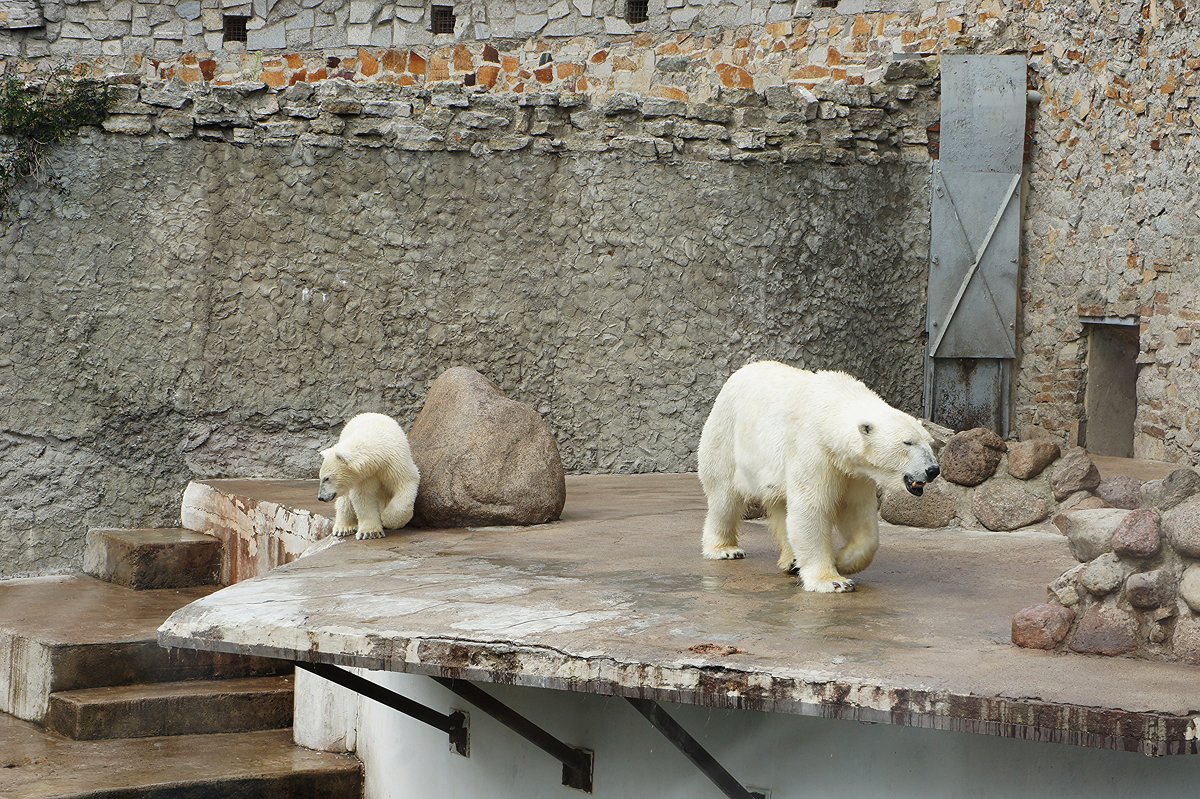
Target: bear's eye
x: 908, y: 443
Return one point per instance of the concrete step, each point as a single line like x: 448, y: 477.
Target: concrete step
x: 144, y: 558
x: 194, y: 707
x: 35, y: 764
x: 64, y: 633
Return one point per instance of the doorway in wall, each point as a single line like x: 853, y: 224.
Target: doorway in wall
x: 1110, y: 399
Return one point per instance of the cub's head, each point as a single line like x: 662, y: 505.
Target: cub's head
x: 335, y: 474
x: 896, y: 448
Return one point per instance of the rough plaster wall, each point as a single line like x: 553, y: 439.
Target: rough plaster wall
x: 1113, y: 218
x: 222, y: 309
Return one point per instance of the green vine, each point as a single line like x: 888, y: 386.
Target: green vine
x: 37, y: 115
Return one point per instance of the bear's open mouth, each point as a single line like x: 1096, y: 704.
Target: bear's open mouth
x: 915, y: 487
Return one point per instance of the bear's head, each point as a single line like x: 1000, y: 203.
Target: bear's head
x: 336, y: 474
x: 897, y: 448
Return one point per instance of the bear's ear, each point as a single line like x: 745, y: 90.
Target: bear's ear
x: 865, y: 428
x: 336, y: 453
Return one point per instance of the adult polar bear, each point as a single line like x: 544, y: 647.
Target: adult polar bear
x: 810, y: 448
x: 371, y: 473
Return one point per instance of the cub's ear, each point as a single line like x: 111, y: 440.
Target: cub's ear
x: 865, y: 428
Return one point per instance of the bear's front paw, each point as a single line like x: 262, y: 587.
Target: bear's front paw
x: 343, y: 532
x: 363, y: 534
x: 836, y: 585
x: 725, y: 553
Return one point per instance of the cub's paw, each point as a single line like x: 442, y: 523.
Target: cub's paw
x: 364, y: 535
x: 344, y: 532
x: 837, y: 585
x: 725, y: 553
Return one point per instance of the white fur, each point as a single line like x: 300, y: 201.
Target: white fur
x: 371, y: 473
x: 810, y: 447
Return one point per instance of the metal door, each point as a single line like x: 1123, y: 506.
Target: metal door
x: 975, y: 231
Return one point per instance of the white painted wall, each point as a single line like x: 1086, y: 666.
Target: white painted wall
x: 790, y: 755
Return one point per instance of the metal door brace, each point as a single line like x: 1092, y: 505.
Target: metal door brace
x: 691, y: 749
x: 576, y: 762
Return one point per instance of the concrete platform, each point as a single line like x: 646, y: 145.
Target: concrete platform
x: 256, y: 765
x: 615, y: 599
x: 64, y: 633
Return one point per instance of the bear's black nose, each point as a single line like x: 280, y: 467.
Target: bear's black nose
x: 932, y: 472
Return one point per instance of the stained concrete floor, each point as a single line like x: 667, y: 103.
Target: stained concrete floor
x: 615, y: 599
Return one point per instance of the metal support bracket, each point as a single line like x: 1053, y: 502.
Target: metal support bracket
x: 691, y: 749
x: 455, y: 725
x: 576, y: 762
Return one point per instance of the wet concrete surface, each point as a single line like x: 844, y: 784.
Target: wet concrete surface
x: 615, y: 599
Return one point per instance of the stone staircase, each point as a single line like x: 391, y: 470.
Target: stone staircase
x: 96, y: 708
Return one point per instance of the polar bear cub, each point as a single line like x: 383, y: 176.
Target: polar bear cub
x: 810, y: 448
x: 371, y: 473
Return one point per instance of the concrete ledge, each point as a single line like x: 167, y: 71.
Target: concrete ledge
x: 615, y: 599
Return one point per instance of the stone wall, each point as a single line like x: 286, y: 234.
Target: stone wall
x: 1113, y: 221
x: 226, y: 306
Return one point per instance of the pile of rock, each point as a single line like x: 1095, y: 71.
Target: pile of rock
x: 1136, y: 590
x: 1003, y: 486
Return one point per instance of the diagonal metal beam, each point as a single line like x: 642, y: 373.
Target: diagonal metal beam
x: 576, y: 762
x: 690, y: 748
x: 454, y: 724
x: 979, y: 253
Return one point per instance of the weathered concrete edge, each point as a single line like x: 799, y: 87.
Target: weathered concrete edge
x: 711, y: 685
x: 256, y: 535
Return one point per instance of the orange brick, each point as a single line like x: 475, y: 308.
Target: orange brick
x: 294, y: 60
x: 395, y: 61
x: 569, y: 70
x: 192, y: 75
x: 463, y: 62
x: 671, y: 93
x: 416, y: 64
x: 370, y: 65
x: 734, y: 77
x: 487, y: 75
x: 544, y: 74
x: 274, y: 78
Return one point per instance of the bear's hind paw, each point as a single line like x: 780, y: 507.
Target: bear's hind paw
x: 364, y: 535
x: 725, y: 553
x: 343, y: 532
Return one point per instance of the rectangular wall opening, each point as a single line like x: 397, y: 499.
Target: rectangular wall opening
x: 1110, y: 400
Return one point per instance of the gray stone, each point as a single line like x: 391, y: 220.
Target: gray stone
x: 484, y: 459
x: 1189, y: 587
x: 1152, y: 589
x: 129, y: 124
x: 934, y: 508
x: 1102, y: 576
x: 1027, y: 459
x: 1120, y: 492
x: 1074, y: 472
x: 1089, y: 532
x: 1171, y: 490
x: 972, y: 456
x: 167, y: 96
x: 1185, y: 643
x: 1004, y: 506
x: 1042, y: 626
x: 1138, y: 535
x: 1105, y: 630
x: 1065, y: 587
x: 1181, y: 525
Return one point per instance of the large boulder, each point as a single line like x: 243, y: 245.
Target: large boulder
x: 1042, y: 626
x: 1105, y: 630
x: 1120, y: 492
x: 1074, y: 472
x: 1181, y: 525
x: 1189, y: 587
x: 934, y: 508
x: 1152, y: 589
x: 1027, y: 459
x: 1089, y: 532
x: 484, y: 459
x: 972, y: 456
x: 1002, y: 505
x: 1139, y: 534
x: 1102, y: 576
x: 1171, y: 490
